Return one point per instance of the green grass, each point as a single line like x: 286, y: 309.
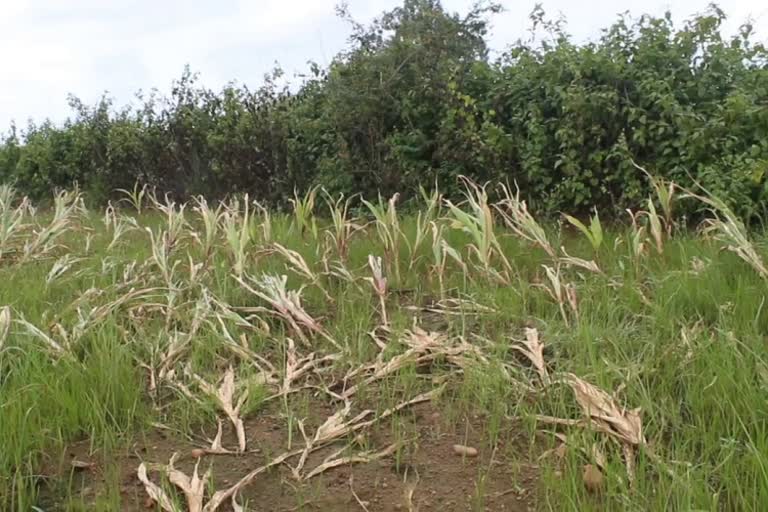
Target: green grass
x: 681, y: 334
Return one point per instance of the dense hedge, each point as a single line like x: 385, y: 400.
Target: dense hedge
x: 416, y: 100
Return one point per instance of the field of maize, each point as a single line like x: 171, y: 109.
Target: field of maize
x: 347, y: 356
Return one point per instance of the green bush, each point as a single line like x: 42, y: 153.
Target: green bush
x: 415, y: 100
x: 686, y: 104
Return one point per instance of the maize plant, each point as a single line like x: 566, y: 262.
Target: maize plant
x: 211, y: 218
x: 562, y: 293
x: 665, y: 194
x: 517, y: 217
x: 379, y: 283
x: 135, y: 196
x: 478, y: 224
x: 388, y: 229
x: 121, y: 225
x: 238, y: 234
x: 162, y: 254
x: 60, y: 267
x: 573, y: 261
x: 303, y: 212
x: 424, y: 218
x: 43, y: 242
x: 175, y: 221
x: 10, y: 218
x: 110, y: 216
x: 637, y: 237
x: 266, y: 223
x: 593, y: 233
x: 655, y: 223
x: 342, y: 228
x: 727, y: 228
x: 5, y: 325
x: 297, y: 263
x: 285, y: 303
x: 224, y: 395
x: 55, y: 348
x: 441, y: 252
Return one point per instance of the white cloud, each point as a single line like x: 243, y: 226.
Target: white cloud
x: 52, y: 48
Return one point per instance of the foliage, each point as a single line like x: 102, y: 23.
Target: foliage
x: 416, y: 100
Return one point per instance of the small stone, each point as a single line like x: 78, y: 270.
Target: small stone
x: 464, y: 451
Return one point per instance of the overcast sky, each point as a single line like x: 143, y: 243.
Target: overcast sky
x: 51, y: 48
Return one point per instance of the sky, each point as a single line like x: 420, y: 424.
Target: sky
x: 52, y: 48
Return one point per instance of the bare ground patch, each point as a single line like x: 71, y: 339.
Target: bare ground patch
x: 426, y: 473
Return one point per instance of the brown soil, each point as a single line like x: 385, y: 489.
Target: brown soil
x: 497, y: 479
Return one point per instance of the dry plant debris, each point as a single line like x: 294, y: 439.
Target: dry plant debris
x: 225, y: 399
